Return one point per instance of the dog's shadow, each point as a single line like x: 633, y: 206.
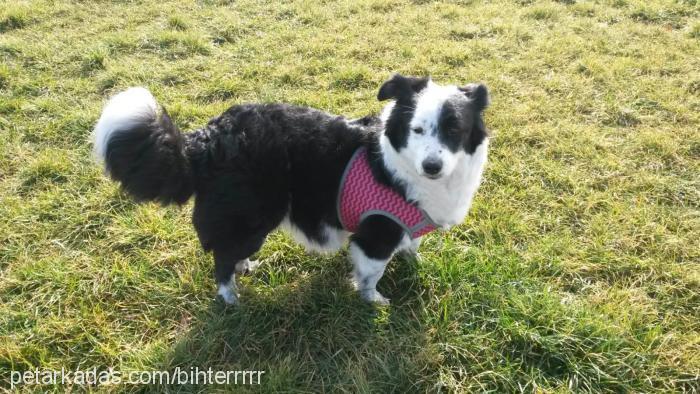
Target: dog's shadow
x: 313, y: 328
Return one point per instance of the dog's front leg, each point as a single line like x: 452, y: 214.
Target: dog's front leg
x: 366, y: 274
x: 371, y: 248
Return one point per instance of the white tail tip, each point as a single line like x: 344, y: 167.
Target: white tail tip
x: 124, y: 111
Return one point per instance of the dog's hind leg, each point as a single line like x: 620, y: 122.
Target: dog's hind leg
x: 228, y: 261
x: 225, y: 264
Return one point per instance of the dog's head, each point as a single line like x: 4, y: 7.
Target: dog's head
x: 430, y: 127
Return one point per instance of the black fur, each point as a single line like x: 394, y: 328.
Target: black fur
x: 403, y: 90
x: 460, y: 127
x: 256, y: 164
x: 378, y: 236
x: 478, y: 94
x: 150, y: 163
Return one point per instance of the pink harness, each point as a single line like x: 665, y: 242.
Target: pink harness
x: 360, y: 196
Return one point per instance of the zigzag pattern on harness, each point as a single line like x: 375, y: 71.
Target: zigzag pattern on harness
x: 361, y: 195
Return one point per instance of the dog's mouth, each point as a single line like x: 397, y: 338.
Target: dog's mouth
x: 433, y: 177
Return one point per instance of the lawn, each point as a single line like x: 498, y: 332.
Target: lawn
x: 577, y: 269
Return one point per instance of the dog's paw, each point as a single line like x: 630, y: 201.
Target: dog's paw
x: 246, y: 266
x: 228, y: 295
x: 373, y: 296
x: 410, y: 255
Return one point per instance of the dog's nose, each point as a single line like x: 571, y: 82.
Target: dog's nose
x: 432, y: 166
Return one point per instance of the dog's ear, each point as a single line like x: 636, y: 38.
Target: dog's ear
x: 478, y: 94
x: 399, y: 87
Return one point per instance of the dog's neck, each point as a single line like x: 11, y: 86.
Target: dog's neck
x: 446, y: 200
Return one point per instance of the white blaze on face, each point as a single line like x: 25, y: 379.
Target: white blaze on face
x: 426, y: 145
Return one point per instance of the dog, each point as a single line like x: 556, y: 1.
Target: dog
x: 379, y: 182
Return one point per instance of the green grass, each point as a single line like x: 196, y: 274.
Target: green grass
x: 578, y: 268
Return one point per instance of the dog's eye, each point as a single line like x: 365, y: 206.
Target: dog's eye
x: 418, y: 130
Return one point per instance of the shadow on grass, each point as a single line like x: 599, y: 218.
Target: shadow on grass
x: 314, y: 332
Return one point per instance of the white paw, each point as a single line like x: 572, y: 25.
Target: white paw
x: 410, y: 254
x: 372, y: 295
x: 246, y: 266
x: 253, y: 265
x: 228, y: 295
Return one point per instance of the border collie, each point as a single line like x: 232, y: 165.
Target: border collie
x: 379, y: 181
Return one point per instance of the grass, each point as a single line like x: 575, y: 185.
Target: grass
x: 578, y: 268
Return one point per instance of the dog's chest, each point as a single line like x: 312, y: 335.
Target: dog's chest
x: 446, y: 204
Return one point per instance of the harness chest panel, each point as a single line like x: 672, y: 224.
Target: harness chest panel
x: 360, y: 196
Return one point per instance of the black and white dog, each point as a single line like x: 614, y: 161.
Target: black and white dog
x: 258, y: 167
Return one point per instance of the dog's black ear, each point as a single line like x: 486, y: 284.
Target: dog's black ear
x: 478, y: 94
x: 399, y: 87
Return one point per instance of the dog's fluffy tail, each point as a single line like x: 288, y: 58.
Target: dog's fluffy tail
x: 142, y: 149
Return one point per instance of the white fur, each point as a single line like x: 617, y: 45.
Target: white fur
x: 446, y: 199
x: 366, y: 273
x: 125, y: 110
x: 386, y: 112
x: 409, y: 246
x: 335, y: 239
x: 228, y: 292
x: 245, y: 266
